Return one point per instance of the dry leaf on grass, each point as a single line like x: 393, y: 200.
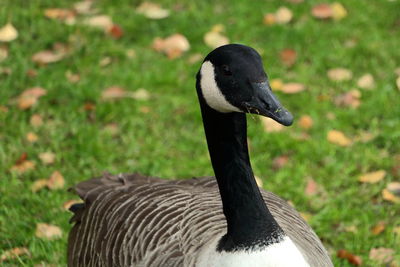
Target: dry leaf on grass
x: 30, y: 97
x: 215, y: 38
x: 173, y: 46
x: 372, y: 177
x: 349, y: 99
x: 394, y: 187
x: 364, y: 137
x: 56, y: 181
x: 114, y: 92
x: 292, y: 88
x: 280, y: 162
x: 115, y: 31
x: 339, y: 74
x: 62, y: 14
x: 306, y: 216
x: 47, y: 56
x: 389, y: 196
x: 381, y: 255
x: 311, y: 188
x: 366, y: 81
x: 378, y: 228
x: 36, y: 120
x: 31, y: 137
x: 322, y: 11
x: 3, y: 109
x: 72, y: 77
x: 38, y: 185
x: 269, y: 19
x: 103, y: 22
x: 23, y: 164
x: 194, y: 58
x: 47, y: 157
x: 283, y: 15
x: 84, y: 7
x: 305, y: 122
x: 351, y: 258
x: 14, y: 253
x: 288, y: 57
x: 338, y: 138
x: 338, y: 11
x: 8, y: 33
x: 48, y: 231
x: 152, y: 10
x: 270, y: 125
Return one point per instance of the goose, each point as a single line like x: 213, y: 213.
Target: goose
x: 221, y: 221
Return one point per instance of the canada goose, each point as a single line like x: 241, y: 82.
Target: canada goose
x: 133, y: 220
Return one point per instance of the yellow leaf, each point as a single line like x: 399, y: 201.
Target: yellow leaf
x: 152, y: 10
x: 338, y: 11
x: 269, y: 19
x: 48, y: 231
x: 215, y: 38
x: 378, y: 228
x: 366, y: 81
x: 306, y: 216
x: 305, y: 122
x: 338, y: 138
x: 14, y: 253
x: 388, y: 196
x: 38, y: 185
x: 276, y: 84
x: 372, y: 177
x: 8, y: 33
x: 103, y: 22
x: 270, y: 125
x: 283, y: 15
x: 31, y: 137
x: 56, y: 181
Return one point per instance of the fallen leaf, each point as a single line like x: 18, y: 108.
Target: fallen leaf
x: 322, y: 11
x: 131, y: 53
x: 89, y: 106
x: 71, y: 202
x: 72, y: 77
x: 349, y: 99
x: 84, y: 7
x: 3, y: 53
x: 140, y: 94
x: 22, y: 158
x: 283, y: 15
x: 338, y: 138
x: 389, y: 196
x: 38, y: 185
x: 338, y: 11
x: 276, y: 84
x: 305, y: 122
x: 31, y: 73
x: 394, y: 187
x: 30, y: 97
x: 351, y: 258
x: 105, y: 61
x: 23, y: 167
x: 366, y: 81
x: 259, y: 181
x: 292, y: 88
x: 103, y: 22
x: 56, y: 181
x: 215, y: 37
x: 270, y: 125
x: 47, y: 56
x: 62, y: 14
x: 269, y: 19
x: 113, y: 92
x: 47, y: 157
x: 351, y: 229
x: 372, y: 177
x: 381, y: 255
x: 31, y: 137
x: 288, y: 56
x: 36, y: 120
x: 14, y: 253
x: 340, y: 74
x: 398, y: 83
x: 115, y: 31
x: 280, y: 162
x: 48, y: 231
x: 378, y: 228
x: 8, y: 33
x: 152, y: 10
x: 173, y: 46
x: 194, y: 58
x: 311, y: 187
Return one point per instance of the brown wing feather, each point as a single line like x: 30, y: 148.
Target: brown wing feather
x: 134, y: 220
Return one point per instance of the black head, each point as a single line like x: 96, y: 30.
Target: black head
x: 232, y: 79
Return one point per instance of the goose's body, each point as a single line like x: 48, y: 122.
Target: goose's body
x: 133, y: 220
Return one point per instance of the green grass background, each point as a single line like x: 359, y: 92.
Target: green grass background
x: 169, y: 140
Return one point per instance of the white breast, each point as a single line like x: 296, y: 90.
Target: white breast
x: 282, y: 254
x: 211, y: 93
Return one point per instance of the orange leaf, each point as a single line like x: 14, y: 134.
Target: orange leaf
x: 269, y: 19
x: 322, y: 11
x: 372, y: 177
x: 116, y: 31
x: 47, y: 56
x: 388, y: 196
x: 338, y: 138
x: 349, y: 99
x: 31, y: 137
x: 30, y: 97
x: 288, y: 56
x: 306, y: 122
x: 311, y: 187
x: 394, y: 188
x: 378, y: 228
x: 48, y: 231
x: 62, y: 14
x: 351, y: 258
x: 276, y: 84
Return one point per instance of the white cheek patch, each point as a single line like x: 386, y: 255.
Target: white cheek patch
x: 211, y: 93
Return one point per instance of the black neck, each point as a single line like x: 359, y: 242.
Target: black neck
x: 249, y: 221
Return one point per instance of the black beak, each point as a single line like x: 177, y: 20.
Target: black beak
x: 265, y: 103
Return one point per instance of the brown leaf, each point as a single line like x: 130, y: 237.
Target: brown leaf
x: 63, y: 14
x: 306, y: 122
x: 31, y: 73
x: 47, y: 157
x: 283, y: 15
x: 311, y: 188
x: 382, y: 255
x: 280, y: 162
x: 349, y: 99
x: 378, y: 228
x: 30, y: 97
x: 88, y: 106
x: 394, y: 187
x: 269, y: 19
x: 31, y: 137
x: 103, y: 22
x: 173, y: 46
x: 36, y: 120
x: 288, y: 56
x: 38, y: 185
x: 22, y: 164
x: 338, y: 138
x: 372, y: 177
x: 292, y: 88
x: 48, y: 231
x: 338, y: 11
x: 152, y: 10
x: 8, y: 33
x: 270, y: 125
x: 389, y: 196
x: 71, y: 202
x: 115, y: 31
x: 366, y: 81
x: 340, y: 74
x: 113, y: 92
x: 351, y: 258
x: 14, y: 253
x: 56, y: 181
x: 322, y: 11
x: 47, y: 56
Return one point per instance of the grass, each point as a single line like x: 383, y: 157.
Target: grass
x: 168, y: 141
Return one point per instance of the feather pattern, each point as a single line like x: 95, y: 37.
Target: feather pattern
x: 134, y: 220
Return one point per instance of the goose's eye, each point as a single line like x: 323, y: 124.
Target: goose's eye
x: 226, y: 70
